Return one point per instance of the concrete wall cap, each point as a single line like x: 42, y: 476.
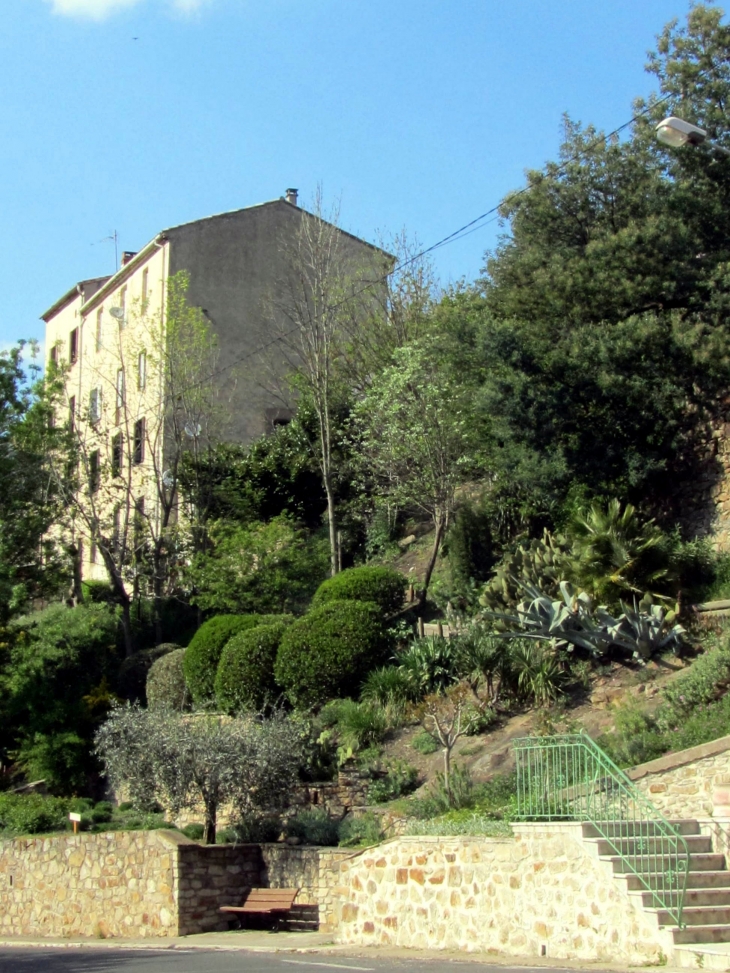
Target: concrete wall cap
x: 680, y: 759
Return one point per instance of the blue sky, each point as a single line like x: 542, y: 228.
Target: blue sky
x: 134, y: 115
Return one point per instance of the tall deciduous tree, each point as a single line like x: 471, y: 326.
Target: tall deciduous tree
x: 328, y: 285
x: 416, y: 436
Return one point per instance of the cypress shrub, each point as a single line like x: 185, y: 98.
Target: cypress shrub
x: 166, y: 687
x: 329, y: 652
x: 245, y: 678
x: 204, y: 652
x: 384, y: 586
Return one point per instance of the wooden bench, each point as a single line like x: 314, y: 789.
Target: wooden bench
x: 275, y: 902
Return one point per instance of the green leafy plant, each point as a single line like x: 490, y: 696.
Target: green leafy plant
x: 360, y: 831
x: 314, y: 827
x: 245, y: 677
x: 388, y: 685
x: 429, y: 665
x: 424, y: 743
x: 355, y: 727
x: 398, y: 780
x: 260, y: 567
x: 540, y: 563
x: 540, y: 676
x: 32, y: 813
x: 133, y: 672
x: 330, y: 651
x: 384, y: 586
x: 614, y: 554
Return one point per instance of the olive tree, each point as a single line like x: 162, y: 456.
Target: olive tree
x: 189, y: 762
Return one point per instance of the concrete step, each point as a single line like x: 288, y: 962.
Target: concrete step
x: 697, y: 916
x: 719, y: 879
x: 707, y: 956
x: 714, y: 898
x: 630, y: 828
x: 697, y: 863
x: 696, y: 844
x: 701, y: 934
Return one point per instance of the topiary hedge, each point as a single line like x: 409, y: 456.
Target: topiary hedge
x: 166, y: 686
x: 245, y: 678
x: 384, y: 586
x: 133, y: 672
x: 329, y: 652
x: 204, y: 652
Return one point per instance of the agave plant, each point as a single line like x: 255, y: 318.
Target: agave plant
x: 646, y: 628
x: 573, y: 622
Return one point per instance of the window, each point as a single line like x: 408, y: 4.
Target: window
x: 117, y: 528
x: 139, y: 433
x: 54, y: 354
x: 120, y: 395
x: 99, y: 317
x: 94, y: 471
x: 123, y: 306
x: 95, y: 405
x: 142, y: 370
x: 93, y: 549
x: 73, y: 346
x: 117, y: 454
x: 145, y: 285
x: 72, y: 413
x: 139, y: 525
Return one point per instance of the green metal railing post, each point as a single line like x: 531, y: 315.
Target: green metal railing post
x: 569, y: 778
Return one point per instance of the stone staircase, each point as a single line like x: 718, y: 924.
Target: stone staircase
x: 705, y: 940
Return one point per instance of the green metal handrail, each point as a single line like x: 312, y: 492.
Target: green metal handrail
x: 569, y: 778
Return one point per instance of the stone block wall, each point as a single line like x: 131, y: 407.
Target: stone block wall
x: 116, y: 884
x: 692, y: 783
x: 209, y: 876
x: 539, y: 893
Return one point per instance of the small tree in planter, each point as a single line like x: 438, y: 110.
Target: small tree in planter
x: 188, y: 761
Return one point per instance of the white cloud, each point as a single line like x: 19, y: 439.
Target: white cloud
x: 101, y: 9
x: 93, y: 9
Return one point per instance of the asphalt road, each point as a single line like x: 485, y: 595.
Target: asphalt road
x: 89, y: 960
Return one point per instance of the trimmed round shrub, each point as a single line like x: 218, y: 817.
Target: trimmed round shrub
x: 166, y: 687
x: 245, y: 678
x: 204, y: 652
x: 384, y: 586
x: 133, y: 672
x: 329, y: 652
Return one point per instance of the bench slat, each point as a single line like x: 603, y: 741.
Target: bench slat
x: 265, y: 901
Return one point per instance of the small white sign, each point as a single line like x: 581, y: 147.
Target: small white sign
x: 74, y: 817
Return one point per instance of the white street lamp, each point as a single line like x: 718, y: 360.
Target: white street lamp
x: 676, y: 132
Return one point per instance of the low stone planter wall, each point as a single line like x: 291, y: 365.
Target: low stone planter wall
x: 539, y: 893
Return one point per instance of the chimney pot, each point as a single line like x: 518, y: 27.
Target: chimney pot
x: 128, y: 255
x: 291, y: 196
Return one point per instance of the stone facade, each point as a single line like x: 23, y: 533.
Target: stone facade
x: 539, y: 893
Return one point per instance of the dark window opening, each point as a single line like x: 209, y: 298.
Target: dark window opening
x: 94, y: 471
x: 139, y: 433
x: 117, y: 454
x: 73, y: 346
